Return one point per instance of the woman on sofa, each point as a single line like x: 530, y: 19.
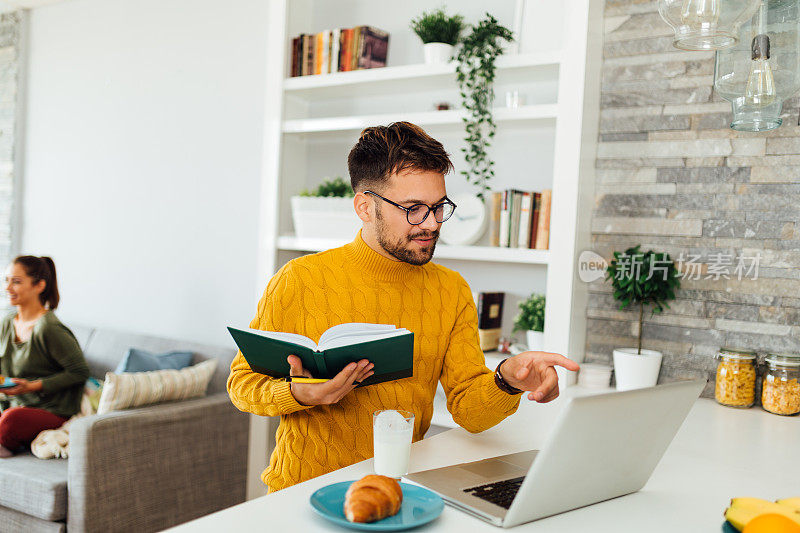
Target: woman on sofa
x: 39, y: 354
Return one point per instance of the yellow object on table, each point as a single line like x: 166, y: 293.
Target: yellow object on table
x: 744, y: 511
x: 771, y: 523
x: 735, y: 384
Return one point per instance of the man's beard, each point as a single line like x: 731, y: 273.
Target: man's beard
x: 399, y: 248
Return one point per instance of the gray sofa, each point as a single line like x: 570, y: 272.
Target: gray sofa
x: 142, y: 469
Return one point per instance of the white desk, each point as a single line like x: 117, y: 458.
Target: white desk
x: 718, y: 453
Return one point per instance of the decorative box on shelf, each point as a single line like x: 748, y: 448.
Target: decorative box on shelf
x: 324, y: 217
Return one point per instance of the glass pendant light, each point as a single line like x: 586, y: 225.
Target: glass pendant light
x: 706, y: 24
x: 763, y: 69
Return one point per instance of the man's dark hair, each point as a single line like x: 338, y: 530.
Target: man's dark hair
x: 384, y: 150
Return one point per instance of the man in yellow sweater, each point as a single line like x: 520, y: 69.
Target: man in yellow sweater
x: 383, y: 276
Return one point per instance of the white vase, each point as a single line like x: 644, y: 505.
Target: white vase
x: 437, y: 52
x: 535, y: 340
x: 324, y: 217
x: 636, y: 371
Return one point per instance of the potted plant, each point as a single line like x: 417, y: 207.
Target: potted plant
x: 439, y: 33
x: 475, y: 71
x: 326, y: 211
x: 531, y: 320
x: 641, y: 278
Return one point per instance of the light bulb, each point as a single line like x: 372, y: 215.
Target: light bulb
x: 700, y: 13
x: 760, y: 88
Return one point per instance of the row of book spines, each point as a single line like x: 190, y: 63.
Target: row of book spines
x: 521, y: 219
x: 329, y: 51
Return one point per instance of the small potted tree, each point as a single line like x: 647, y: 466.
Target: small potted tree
x: 439, y: 33
x: 531, y: 320
x: 325, y: 211
x: 641, y: 278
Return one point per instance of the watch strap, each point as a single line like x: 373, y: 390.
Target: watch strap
x: 502, y: 384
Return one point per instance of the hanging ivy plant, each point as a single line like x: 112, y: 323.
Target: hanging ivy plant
x: 475, y: 71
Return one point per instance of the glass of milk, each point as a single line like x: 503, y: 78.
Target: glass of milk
x: 392, y: 431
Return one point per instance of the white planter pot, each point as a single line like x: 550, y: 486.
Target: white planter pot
x: 324, y: 218
x: 437, y: 52
x: 535, y: 340
x: 636, y: 371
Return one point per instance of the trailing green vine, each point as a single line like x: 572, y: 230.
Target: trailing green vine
x: 475, y: 72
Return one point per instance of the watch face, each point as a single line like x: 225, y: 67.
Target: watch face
x: 468, y: 222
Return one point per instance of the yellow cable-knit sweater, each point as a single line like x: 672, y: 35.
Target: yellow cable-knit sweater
x: 354, y: 283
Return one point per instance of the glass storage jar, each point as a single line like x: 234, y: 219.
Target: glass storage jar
x: 736, y: 378
x: 780, y: 388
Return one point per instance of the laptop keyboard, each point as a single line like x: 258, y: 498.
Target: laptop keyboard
x: 500, y: 493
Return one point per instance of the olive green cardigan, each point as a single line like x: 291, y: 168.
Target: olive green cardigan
x: 53, y: 355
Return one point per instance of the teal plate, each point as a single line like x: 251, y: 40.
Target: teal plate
x: 728, y: 528
x: 419, y: 507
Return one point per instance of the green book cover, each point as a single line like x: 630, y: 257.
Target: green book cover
x: 390, y: 349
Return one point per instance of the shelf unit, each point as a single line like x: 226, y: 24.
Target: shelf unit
x: 369, y: 82
x: 452, y: 117
x: 311, y: 122
x: 490, y: 254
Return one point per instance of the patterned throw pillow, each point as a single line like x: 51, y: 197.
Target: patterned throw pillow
x: 121, y: 391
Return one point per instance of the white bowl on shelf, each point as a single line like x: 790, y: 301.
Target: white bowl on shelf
x: 321, y: 217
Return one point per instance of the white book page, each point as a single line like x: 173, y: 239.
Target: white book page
x: 294, y: 338
x: 358, y: 338
x: 352, y: 328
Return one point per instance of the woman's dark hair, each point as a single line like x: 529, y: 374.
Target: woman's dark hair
x: 41, y: 268
x: 384, y: 150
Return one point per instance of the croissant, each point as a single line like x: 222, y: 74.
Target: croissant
x: 372, y: 498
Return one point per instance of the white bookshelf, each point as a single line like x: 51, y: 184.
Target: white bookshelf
x: 415, y: 77
x: 311, y: 122
x: 490, y: 254
x: 453, y: 118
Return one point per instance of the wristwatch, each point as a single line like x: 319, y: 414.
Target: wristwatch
x: 503, y: 384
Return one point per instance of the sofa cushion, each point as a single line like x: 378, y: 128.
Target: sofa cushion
x: 106, y: 348
x: 34, y: 486
x: 14, y: 521
x: 121, y: 391
x: 143, y: 361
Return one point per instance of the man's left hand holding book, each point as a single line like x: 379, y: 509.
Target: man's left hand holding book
x: 332, y: 390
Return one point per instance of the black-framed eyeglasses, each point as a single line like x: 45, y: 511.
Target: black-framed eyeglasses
x: 417, y: 213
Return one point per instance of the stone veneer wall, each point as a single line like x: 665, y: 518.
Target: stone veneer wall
x: 674, y: 177
x: 10, y: 29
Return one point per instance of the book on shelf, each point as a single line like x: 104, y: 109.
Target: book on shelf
x: 543, y: 229
x: 336, y: 37
x: 520, y: 219
x: 490, y: 318
x: 494, y: 220
x: 535, y: 210
x: 374, y: 46
x: 504, y: 218
x: 524, y: 234
x: 339, y: 50
x: 514, y: 218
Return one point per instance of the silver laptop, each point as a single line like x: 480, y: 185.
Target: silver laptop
x: 602, y: 446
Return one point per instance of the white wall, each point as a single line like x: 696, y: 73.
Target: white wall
x: 142, y: 156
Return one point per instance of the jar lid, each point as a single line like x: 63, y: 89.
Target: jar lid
x: 783, y: 359
x: 731, y: 353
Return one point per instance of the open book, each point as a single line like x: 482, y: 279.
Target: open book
x: 389, y: 348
